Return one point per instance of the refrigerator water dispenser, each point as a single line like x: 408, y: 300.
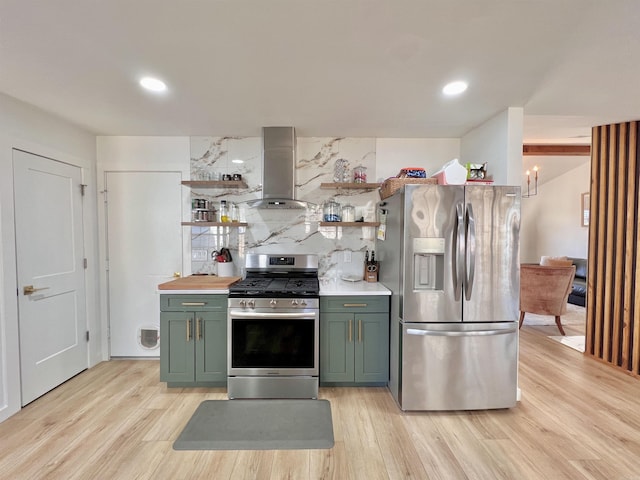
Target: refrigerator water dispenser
x: 428, y: 264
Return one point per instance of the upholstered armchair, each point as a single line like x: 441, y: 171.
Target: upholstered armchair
x: 544, y: 290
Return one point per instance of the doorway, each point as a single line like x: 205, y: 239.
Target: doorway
x: 144, y: 249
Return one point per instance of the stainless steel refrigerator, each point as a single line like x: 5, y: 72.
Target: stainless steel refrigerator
x: 451, y: 258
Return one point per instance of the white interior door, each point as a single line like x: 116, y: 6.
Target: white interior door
x: 50, y: 272
x: 144, y: 243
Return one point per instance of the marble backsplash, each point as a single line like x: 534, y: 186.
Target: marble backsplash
x: 340, y: 249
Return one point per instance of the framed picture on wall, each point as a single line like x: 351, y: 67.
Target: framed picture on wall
x: 584, y: 208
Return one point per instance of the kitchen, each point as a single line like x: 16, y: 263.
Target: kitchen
x: 127, y: 150
x: 438, y: 439
x: 154, y: 414
x: 332, y: 268
x: 173, y: 154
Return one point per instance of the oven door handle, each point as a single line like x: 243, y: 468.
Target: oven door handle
x: 241, y: 314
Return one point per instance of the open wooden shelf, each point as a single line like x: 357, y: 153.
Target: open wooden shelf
x: 214, y: 183
x: 351, y: 185
x: 349, y: 224
x: 215, y: 224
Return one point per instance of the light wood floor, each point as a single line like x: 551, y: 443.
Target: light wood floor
x: 578, y: 418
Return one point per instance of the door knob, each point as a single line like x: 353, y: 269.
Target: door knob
x: 29, y: 289
x: 177, y: 274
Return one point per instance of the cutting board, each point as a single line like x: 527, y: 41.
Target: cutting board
x: 199, y: 282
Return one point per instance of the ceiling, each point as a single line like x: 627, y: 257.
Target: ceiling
x: 371, y: 68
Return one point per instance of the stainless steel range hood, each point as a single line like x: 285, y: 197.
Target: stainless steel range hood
x: 278, y: 169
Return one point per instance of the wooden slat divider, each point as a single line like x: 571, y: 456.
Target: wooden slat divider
x: 609, y: 243
x: 617, y: 324
x: 634, y: 305
x: 591, y: 260
x: 613, y: 284
x: 600, y: 212
x: 630, y: 249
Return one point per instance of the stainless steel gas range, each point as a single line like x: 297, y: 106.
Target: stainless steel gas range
x: 274, y: 328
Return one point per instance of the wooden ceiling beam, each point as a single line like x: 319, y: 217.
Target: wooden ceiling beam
x: 555, y: 150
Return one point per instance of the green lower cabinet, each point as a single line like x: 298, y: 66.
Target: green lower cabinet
x: 354, y: 347
x: 193, y: 346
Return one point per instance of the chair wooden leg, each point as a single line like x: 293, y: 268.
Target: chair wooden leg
x: 521, y: 319
x: 559, y: 325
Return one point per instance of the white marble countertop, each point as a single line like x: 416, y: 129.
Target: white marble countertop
x: 340, y: 287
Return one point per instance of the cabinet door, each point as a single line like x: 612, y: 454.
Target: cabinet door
x: 211, y: 346
x: 372, y: 347
x: 336, y: 347
x: 177, y: 354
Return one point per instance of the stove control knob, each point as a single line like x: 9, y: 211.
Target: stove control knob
x: 273, y: 302
x: 242, y: 303
x: 303, y: 303
x: 251, y: 303
x: 294, y: 302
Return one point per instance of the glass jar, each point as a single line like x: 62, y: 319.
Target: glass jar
x: 233, y: 209
x: 360, y: 174
x: 348, y: 213
x: 340, y: 171
x: 331, y: 211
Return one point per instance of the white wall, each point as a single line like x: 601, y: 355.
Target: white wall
x: 551, y: 220
x: 392, y: 154
x: 25, y: 127
x: 498, y: 142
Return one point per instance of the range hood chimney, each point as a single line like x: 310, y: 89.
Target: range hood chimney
x: 278, y: 169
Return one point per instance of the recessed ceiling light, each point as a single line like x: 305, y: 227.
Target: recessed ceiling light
x: 455, y: 88
x: 153, y: 84
x: 237, y: 160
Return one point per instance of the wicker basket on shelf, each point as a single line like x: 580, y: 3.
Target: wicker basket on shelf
x: 392, y: 185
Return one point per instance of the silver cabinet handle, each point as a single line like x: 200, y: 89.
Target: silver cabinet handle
x: 198, y: 328
x: 350, y: 330
x: 471, y: 333
x: 193, y: 304
x: 360, y: 330
x: 188, y: 330
x: 354, y: 305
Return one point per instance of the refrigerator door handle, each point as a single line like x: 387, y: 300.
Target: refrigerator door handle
x: 449, y: 333
x: 458, y: 252
x: 470, y: 251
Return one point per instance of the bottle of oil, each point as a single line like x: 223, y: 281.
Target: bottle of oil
x: 224, y: 211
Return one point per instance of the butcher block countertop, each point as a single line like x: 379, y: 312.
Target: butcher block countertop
x: 198, y: 284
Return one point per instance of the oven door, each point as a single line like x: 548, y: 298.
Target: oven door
x: 268, y: 342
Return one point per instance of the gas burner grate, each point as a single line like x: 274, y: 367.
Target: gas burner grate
x: 276, y: 286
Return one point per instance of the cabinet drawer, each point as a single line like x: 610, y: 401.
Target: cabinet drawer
x: 368, y: 303
x: 193, y: 303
